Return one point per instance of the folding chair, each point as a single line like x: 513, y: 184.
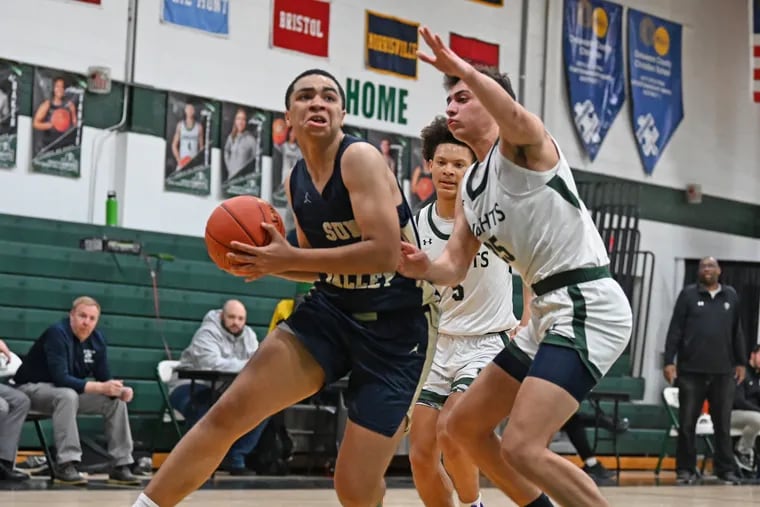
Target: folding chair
x: 7, y: 371
x: 164, y: 372
x: 704, y: 427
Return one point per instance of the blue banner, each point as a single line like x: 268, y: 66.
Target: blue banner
x: 593, y: 50
x: 654, y: 60
x: 207, y: 15
x: 391, y: 45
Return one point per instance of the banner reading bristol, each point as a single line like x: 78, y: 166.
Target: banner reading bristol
x: 593, y: 51
x: 654, y: 47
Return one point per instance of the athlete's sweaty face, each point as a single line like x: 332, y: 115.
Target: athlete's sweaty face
x: 315, y: 108
x: 448, y: 166
x: 467, y: 119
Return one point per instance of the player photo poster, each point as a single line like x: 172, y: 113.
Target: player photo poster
x: 245, y: 130
x: 395, y: 149
x: 190, y: 123
x: 285, y: 154
x: 10, y: 79
x: 421, y: 189
x: 352, y: 131
x: 57, y: 105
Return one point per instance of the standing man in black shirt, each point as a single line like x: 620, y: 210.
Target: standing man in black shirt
x: 705, y: 334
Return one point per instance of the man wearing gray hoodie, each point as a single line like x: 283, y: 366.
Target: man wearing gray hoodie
x: 223, y: 343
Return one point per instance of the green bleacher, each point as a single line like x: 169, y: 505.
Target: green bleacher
x: 42, y: 269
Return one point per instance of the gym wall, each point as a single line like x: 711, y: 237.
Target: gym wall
x: 715, y: 144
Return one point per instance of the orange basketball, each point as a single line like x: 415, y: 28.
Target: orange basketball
x: 184, y: 161
x: 239, y: 219
x: 61, y: 120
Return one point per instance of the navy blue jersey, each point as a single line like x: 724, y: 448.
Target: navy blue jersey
x: 327, y: 220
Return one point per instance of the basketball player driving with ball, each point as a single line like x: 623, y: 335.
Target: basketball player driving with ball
x: 361, y: 317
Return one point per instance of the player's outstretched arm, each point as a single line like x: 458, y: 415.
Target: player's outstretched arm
x: 517, y: 126
x: 450, y: 268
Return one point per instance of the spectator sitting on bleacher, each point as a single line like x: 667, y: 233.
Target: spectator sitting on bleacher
x: 14, y: 405
x: 54, y: 376
x: 222, y: 343
x: 745, y: 415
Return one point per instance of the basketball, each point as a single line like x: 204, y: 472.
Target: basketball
x: 184, y: 161
x: 239, y: 219
x: 61, y: 120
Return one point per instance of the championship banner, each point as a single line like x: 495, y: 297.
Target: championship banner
x: 58, y: 105
x: 593, y: 51
x: 754, y: 44
x: 301, y: 25
x: 245, y: 130
x: 475, y: 51
x: 10, y: 80
x: 654, y: 60
x: 204, y: 15
x: 391, y: 45
x: 189, y: 126
x: 395, y: 149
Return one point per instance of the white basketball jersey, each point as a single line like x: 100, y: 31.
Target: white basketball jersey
x: 482, y: 303
x: 188, y: 140
x: 533, y: 220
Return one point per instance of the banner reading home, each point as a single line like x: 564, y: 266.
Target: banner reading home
x: 210, y: 16
x: 391, y: 45
x: 654, y: 60
x: 58, y: 105
x: 301, y: 25
x: 190, y: 123
x: 592, y: 43
x: 10, y: 79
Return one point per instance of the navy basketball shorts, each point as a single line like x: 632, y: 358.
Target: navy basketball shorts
x: 388, y: 355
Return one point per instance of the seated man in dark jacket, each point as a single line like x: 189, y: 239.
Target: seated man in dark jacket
x: 54, y: 377
x: 745, y: 415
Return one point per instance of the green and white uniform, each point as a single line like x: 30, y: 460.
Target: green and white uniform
x: 536, y: 222
x: 475, y: 315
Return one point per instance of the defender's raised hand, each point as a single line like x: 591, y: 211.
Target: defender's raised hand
x: 443, y: 58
